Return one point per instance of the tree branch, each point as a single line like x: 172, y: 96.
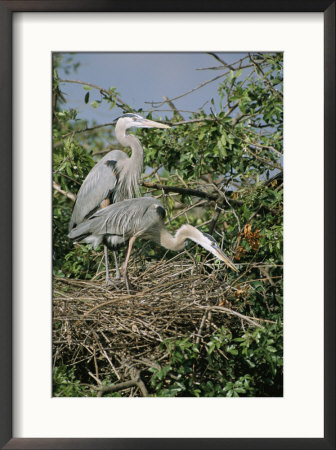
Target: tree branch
x: 180, y: 190
x: 83, y: 130
x: 231, y: 312
x: 69, y: 195
x: 122, y: 104
x: 159, y: 104
x: 125, y: 385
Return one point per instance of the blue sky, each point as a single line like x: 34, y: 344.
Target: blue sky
x: 142, y: 77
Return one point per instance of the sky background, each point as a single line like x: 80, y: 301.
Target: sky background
x: 143, y: 77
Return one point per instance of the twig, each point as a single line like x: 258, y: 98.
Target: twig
x: 204, y: 83
x: 180, y: 190
x: 199, y: 332
x: 122, y: 105
x: 95, y: 378
x: 125, y: 385
x: 153, y: 172
x: 69, y: 195
x: 231, y: 312
x: 265, y: 161
x: 83, y: 130
x: 222, y: 193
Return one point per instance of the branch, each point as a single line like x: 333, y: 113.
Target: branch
x: 179, y: 190
x: 125, y: 385
x: 231, y: 312
x: 69, y: 195
x: 176, y: 112
x: 122, y: 105
x: 176, y: 189
x: 265, y: 161
x: 83, y: 130
x: 258, y: 66
x: 159, y: 104
x: 224, y: 64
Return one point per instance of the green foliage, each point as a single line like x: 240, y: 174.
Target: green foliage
x: 231, y: 152
x: 234, y: 364
x: 66, y: 384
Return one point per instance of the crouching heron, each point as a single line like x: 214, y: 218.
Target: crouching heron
x: 143, y: 217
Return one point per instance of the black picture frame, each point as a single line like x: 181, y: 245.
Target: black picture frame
x: 10, y: 7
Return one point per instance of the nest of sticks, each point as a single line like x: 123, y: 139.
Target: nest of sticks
x: 113, y: 335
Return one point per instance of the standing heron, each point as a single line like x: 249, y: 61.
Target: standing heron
x: 143, y: 217
x: 114, y: 178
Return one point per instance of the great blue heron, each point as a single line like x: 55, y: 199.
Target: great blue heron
x: 143, y: 218
x: 115, y: 177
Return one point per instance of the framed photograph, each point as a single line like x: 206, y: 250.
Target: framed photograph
x: 217, y: 330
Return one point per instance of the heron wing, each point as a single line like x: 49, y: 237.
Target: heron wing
x: 99, y: 184
x: 132, y: 217
x: 129, y: 218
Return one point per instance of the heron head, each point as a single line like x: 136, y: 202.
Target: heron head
x: 210, y: 244
x: 135, y: 121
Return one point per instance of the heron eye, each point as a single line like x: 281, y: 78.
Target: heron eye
x: 213, y: 244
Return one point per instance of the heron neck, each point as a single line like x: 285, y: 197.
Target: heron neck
x: 130, y: 168
x: 177, y: 242
x: 129, y: 140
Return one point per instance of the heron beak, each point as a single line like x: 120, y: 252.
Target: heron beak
x: 151, y: 124
x: 222, y: 256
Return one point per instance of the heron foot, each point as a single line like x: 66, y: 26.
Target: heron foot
x: 110, y: 283
x: 129, y: 286
x: 118, y: 275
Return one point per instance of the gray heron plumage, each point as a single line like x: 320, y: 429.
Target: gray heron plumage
x: 115, y: 177
x: 124, y: 222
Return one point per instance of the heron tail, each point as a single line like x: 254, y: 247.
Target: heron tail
x: 80, y: 232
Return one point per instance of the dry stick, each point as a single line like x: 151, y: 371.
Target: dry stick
x: 133, y: 297
x: 127, y: 297
x: 95, y: 378
x: 162, y: 261
x: 85, y: 284
x: 214, y: 219
x: 125, y: 385
x: 204, y: 83
x: 188, y: 208
x: 153, y: 172
x: 231, y: 312
x: 265, y: 272
x: 110, y: 362
x: 262, y: 320
x: 173, y: 107
x: 225, y: 64
x: 227, y: 201
x: 199, y: 332
x: 181, y: 179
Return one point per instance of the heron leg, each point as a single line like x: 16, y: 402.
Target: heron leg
x: 106, y: 265
x: 124, y: 267
x: 108, y: 280
x: 116, y: 266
